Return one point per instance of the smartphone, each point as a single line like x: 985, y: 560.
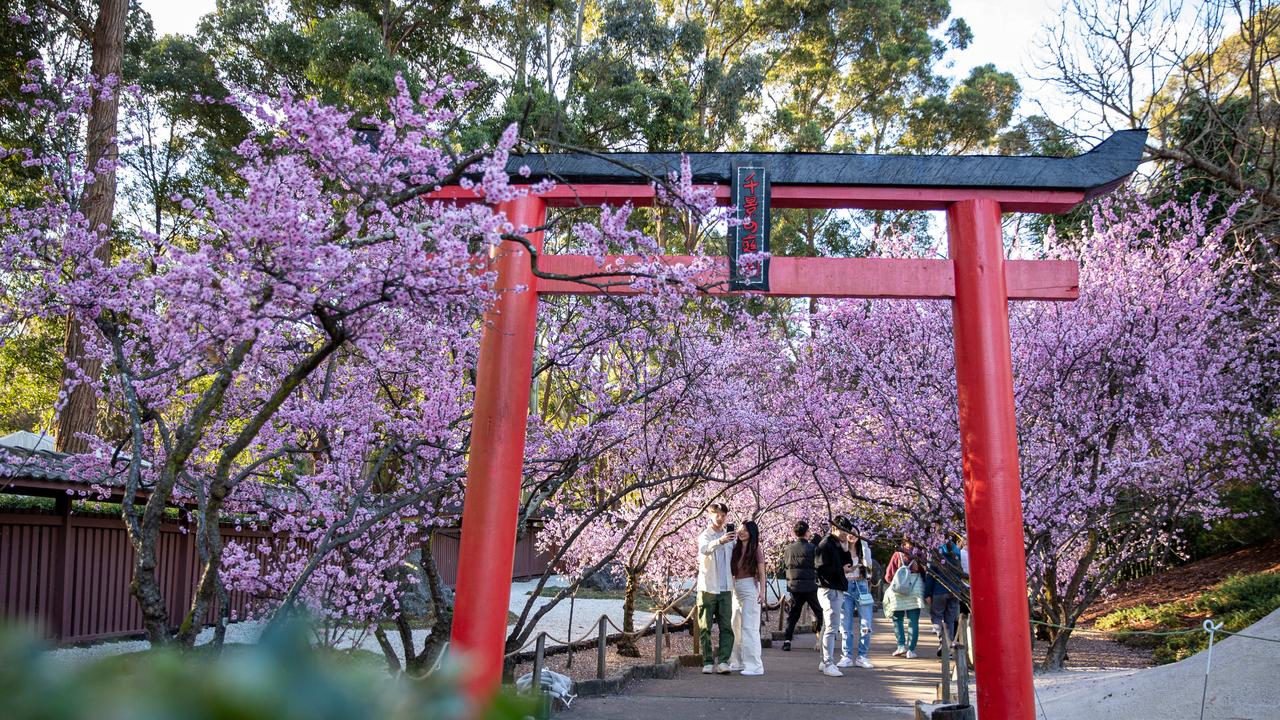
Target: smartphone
x: 730, y: 527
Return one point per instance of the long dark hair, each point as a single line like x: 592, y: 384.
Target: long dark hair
x: 746, y: 556
x: 856, y: 548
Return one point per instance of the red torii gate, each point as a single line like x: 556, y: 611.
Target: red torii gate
x: 979, y: 281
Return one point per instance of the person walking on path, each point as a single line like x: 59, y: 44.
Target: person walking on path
x: 904, y: 597
x: 715, y: 580
x: 832, y: 560
x: 857, y: 599
x: 943, y: 588
x: 747, y: 563
x: 802, y: 579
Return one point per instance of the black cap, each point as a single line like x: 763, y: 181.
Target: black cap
x: 842, y: 523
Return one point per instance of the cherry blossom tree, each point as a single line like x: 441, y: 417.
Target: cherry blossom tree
x: 1136, y: 404
x: 682, y: 416
x: 301, y: 359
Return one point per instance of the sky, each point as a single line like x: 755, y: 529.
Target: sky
x: 1004, y: 34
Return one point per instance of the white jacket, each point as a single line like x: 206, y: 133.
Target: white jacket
x: 714, y: 573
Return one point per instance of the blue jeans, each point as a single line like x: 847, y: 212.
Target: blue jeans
x: 856, y: 588
x: 913, y: 627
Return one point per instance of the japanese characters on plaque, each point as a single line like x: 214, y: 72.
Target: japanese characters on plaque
x: 749, y: 238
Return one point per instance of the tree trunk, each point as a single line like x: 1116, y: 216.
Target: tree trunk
x: 210, y: 579
x: 441, y: 615
x: 1057, y: 654
x: 627, y: 644
x: 98, y: 206
x: 388, y: 650
x: 145, y: 587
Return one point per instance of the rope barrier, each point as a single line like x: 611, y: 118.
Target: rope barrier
x: 1087, y: 631
x: 1250, y: 637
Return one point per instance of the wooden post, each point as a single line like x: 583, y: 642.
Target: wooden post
x: 963, y: 632
x: 946, y: 663
x: 572, y: 599
x: 62, y: 568
x: 657, y: 638
x: 536, y: 685
x: 601, y: 643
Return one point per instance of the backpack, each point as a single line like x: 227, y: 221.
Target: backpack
x: 559, y: 687
x: 901, y: 583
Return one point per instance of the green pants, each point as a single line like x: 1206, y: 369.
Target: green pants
x: 715, y: 608
x: 912, y: 630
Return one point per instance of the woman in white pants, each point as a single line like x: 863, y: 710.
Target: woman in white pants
x: 748, y: 595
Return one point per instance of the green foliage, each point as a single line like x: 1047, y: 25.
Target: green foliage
x: 1255, y: 519
x: 25, y: 502
x: 30, y: 369
x: 345, y: 53
x: 1237, y: 602
x: 281, y: 678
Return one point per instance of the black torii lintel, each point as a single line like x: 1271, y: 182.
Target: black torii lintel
x: 1093, y: 173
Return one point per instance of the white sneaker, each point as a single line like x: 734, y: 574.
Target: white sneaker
x: 723, y: 669
x: 735, y: 667
x: 845, y: 662
x: 708, y: 669
x: 900, y: 651
x: 752, y: 672
x: 863, y: 663
x: 831, y: 671
x: 911, y: 655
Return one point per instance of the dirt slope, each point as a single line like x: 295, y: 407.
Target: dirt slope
x: 1187, y: 581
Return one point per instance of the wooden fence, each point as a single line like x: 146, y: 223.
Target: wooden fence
x: 69, y: 574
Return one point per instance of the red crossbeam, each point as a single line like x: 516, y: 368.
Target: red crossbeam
x: 832, y: 277
x: 809, y: 196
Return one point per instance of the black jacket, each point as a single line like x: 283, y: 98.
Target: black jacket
x: 798, y: 558
x: 831, y: 559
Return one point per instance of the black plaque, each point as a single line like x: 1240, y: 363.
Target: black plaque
x: 749, y: 197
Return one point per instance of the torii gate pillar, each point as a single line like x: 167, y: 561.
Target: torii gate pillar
x: 989, y: 448
x: 494, y: 470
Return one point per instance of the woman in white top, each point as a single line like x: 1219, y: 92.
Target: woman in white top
x: 748, y: 595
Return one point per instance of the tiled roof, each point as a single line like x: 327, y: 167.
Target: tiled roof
x: 33, y: 464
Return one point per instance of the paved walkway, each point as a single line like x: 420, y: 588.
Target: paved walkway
x: 791, y: 688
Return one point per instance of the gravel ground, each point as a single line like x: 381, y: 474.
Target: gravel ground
x: 584, y: 661
x: 1096, y: 653
x: 586, y: 613
x: 69, y: 657
x: 555, y: 623
x: 1085, y: 653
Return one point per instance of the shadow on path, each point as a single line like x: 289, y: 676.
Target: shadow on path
x: 791, y: 688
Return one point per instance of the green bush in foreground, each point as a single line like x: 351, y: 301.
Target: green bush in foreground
x: 1237, y: 602
x: 280, y: 678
